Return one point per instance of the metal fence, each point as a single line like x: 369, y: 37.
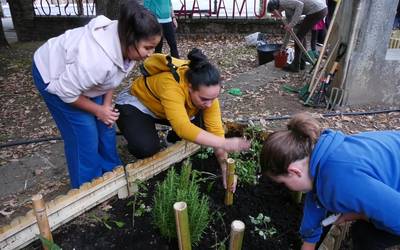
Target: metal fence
x: 218, y: 9
x: 64, y: 7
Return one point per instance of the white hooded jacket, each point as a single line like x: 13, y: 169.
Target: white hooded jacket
x: 83, y: 61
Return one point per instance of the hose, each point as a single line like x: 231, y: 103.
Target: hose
x: 275, y: 118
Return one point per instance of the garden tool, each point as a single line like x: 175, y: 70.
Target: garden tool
x: 320, y: 95
x: 296, y: 39
x: 336, y: 97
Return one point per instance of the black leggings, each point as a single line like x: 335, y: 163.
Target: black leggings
x: 366, y: 236
x: 139, y: 129
x: 169, y: 34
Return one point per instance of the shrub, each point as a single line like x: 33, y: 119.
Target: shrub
x: 183, y: 187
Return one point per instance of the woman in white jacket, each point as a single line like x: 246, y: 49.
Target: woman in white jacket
x: 76, y: 73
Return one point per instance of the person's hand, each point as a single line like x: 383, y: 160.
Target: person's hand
x: 307, y: 246
x: 235, y: 144
x: 223, y: 166
x: 175, y: 22
x: 107, y: 114
x: 350, y: 217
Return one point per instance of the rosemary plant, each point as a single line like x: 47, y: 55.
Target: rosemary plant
x: 183, y: 187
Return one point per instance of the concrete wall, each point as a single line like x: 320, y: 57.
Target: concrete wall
x: 371, y: 78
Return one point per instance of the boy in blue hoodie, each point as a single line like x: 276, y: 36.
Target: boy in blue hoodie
x: 357, y: 176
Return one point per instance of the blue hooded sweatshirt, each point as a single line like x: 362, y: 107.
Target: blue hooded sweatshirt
x: 354, y: 173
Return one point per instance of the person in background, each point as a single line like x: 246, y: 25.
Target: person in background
x: 161, y: 99
x: 357, y: 176
x: 164, y: 12
x: 317, y: 36
x: 314, y: 11
x: 76, y: 73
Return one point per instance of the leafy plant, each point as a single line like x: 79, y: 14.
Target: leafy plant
x: 246, y: 171
x: 139, y: 208
x: 262, y: 226
x: 248, y: 163
x: 180, y: 187
x: 50, y: 245
x: 108, y: 222
x: 218, y: 219
x: 205, y: 153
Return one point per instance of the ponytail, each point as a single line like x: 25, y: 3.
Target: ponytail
x: 284, y: 147
x: 201, y: 71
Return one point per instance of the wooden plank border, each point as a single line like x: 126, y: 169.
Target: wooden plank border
x: 23, y: 230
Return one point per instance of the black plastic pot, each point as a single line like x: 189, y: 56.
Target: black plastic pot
x: 266, y: 52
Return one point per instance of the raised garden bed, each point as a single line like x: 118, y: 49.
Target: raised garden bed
x: 110, y: 226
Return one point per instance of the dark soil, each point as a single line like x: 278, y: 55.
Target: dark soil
x: 267, y: 198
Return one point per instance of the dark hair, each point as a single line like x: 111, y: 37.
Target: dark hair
x: 136, y: 23
x: 272, y: 5
x: 201, y: 71
x: 284, y: 147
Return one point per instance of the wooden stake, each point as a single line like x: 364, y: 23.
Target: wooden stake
x: 230, y: 178
x: 182, y: 225
x: 41, y: 217
x: 297, y: 196
x: 237, y: 232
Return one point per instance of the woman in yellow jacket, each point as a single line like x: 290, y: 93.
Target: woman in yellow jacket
x: 161, y: 99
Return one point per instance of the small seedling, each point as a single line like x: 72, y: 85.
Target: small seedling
x: 262, y: 226
x: 107, y: 222
x: 138, y: 206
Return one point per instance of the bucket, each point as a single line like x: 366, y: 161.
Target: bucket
x: 280, y: 58
x: 266, y: 52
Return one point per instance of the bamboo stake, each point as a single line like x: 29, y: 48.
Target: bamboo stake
x: 237, y: 232
x: 41, y: 217
x: 182, y: 225
x: 230, y: 178
x: 297, y: 196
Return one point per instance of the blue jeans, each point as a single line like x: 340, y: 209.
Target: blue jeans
x: 89, y: 145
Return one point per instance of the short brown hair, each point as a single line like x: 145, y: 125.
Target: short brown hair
x: 284, y: 147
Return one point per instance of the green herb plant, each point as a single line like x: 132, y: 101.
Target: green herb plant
x: 180, y: 187
x: 262, y: 226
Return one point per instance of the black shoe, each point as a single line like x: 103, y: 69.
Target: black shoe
x: 293, y: 67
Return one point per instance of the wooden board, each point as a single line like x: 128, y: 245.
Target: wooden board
x: 23, y: 230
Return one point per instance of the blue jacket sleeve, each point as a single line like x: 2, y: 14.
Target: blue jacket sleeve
x: 311, y: 229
